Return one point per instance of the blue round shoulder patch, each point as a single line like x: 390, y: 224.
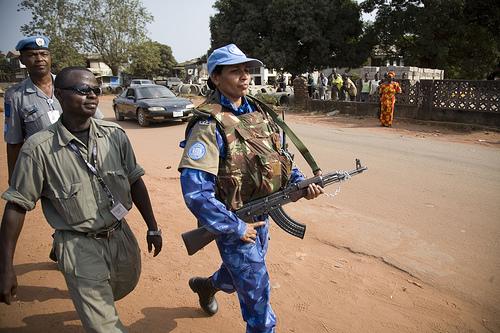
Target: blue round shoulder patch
x: 197, y: 151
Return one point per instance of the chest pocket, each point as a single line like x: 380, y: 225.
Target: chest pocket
x: 118, y: 183
x: 71, y: 202
x: 34, y: 119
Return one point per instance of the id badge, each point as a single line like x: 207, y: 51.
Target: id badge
x: 53, y: 116
x: 119, y: 211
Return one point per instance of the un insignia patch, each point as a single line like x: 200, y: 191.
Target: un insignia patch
x: 197, y: 151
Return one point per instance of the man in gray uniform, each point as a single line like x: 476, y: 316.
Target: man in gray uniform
x: 30, y: 105
x: 85, y: 173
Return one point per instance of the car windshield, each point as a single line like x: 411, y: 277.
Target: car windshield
x: 154, y: 92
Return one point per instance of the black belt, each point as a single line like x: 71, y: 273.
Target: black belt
x: 106, y: 233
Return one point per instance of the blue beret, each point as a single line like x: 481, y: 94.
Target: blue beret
x: 33, y: 43
x: 229, y: 55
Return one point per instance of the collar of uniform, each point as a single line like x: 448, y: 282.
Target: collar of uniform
x: 31, y: 88
x: 242, y: 109
x: 65, y: 136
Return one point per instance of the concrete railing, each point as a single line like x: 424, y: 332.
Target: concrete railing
x: 469, y: 102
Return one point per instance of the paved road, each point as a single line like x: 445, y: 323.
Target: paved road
x: 428, y: 207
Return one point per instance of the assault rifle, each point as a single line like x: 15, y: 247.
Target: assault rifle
x: 197, y: 239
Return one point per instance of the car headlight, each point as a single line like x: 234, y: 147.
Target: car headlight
x: 190, y: 106
x: 156, y: 108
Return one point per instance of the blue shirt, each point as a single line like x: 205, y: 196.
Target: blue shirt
x: 198, y: 187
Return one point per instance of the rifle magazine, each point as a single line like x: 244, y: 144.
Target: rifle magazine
x: 286, y: 223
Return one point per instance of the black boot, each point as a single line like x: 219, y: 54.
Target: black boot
x: 206, y: 293
x: 52, y: 255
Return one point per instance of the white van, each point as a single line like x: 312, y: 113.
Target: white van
x: 140, y: 82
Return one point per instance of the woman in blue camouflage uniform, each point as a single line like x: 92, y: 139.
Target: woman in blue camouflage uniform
x: 232, y: 155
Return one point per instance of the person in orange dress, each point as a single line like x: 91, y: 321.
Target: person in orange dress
x: 388, y: 90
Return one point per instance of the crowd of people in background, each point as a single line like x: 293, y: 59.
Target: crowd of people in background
x: 365, y: 89
x: 343, y: 87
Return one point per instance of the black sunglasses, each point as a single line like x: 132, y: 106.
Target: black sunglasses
x: 84, y: 90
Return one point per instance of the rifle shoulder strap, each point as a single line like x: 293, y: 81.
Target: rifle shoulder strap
x: 288, y: 131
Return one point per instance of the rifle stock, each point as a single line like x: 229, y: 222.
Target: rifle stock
x: 197, y: 239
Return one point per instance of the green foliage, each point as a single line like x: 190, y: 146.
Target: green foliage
x: 294, y: 35
x: 167, y: 60
x: 459, y: 36
x: 111, y: 28
x: 145, y: 60
x: 59, y: 21
x: 114, y: 28
x: 151, y: 59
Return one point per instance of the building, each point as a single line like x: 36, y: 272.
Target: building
x: 193, y: 71
x: 103, y: 72
x: 404, y: 72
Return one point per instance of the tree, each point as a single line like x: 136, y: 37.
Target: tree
x: 58, y: 21
x: 167, y: 60
x: 459, y: 36
x: 145, y: 60
x: 114, y: 29
x: 151, y: 59
x: 292, y: 35
x: 111, y: 28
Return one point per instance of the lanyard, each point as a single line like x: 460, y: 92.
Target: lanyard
x: 93, y: 170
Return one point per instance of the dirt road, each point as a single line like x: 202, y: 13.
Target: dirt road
x: 410, y: 246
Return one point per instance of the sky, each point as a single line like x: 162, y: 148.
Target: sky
x: 182, y: 25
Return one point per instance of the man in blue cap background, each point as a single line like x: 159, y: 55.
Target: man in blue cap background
x: 232, y: 155
x: 30, y: 105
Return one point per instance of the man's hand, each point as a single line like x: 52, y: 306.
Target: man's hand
x: 8, y: 285
x: 250, y: 232
x: 155, y: 241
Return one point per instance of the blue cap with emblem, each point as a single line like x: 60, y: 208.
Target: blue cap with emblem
x: 33, y: 43
x: 229, y: 55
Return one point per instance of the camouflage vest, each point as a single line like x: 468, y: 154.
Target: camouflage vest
x: 254, y: 165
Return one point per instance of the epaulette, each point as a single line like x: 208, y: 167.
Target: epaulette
x: 39, y: 138
x: 106, y: 123
x: 201, y: 113
x: 206, y: 110
x: 12, y: 89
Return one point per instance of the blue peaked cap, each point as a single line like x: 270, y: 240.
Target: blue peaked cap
x: 33, y: 43
x: 229, y: 55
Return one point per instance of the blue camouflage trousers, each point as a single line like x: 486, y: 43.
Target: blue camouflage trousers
x: 244, y: 270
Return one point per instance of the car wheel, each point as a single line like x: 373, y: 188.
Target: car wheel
x: 141, y: 118
x: 118, y: 115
